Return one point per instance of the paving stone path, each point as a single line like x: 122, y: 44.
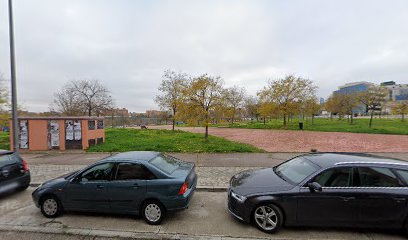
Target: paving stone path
x: 305, y: 141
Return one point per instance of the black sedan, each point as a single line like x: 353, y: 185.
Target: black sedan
x: 14, y: 172
x: 323, y: 189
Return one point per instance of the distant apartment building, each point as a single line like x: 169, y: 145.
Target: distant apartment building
x: 117, y: 112
x: 396, y: 92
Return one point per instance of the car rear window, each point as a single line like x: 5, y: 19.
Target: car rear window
x: 164, y: 163
x: 5, y: 157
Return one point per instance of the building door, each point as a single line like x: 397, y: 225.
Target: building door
x: 53, y: 135
x: 73, y: 134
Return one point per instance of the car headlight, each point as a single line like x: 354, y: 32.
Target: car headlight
x: 238, y: 197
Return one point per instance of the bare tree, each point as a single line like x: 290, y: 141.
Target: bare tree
x: 83, y: 96
x: 233, y: 99
x: 68, y: 102
x: 171, y: 92
x: 251, y: 105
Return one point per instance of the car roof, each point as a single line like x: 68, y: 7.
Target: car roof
x: 134, y: 155
x: 332, y: 159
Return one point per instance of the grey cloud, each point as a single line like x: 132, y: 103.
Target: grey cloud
x: 128, y: 44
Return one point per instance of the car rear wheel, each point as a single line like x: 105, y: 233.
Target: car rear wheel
x: 268, y: 218
x: 51, y: 207
x: 153, y: 212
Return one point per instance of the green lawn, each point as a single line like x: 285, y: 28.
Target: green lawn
x: 360, y: 125
x: 4, y: 140
x: 121, y: 140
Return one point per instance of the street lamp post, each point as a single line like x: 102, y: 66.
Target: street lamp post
x: 13, y: 79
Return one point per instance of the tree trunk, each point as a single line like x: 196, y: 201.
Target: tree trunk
x: 206, y: 132
x: 89, y: 112
x: 331, y: 116
x: 284, y: 120
x: 174, y: 119
x: 371, y: 119
x: 264, y: 120
x: 351, y: 117
x: 402, y: 117
x: 312, y: 119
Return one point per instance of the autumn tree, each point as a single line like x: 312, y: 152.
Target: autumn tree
x: 287, y: 93
x: 200, y: 98
x: 400, y: 108
x: 267, y: 109
x: 312, y: 108
x: 251, y: 105
x: 347, y: 104
x: 373, y: 98
x: 171, y: 89
x: 83, y: 96
x: 332, y: 105
x: 233, y: 99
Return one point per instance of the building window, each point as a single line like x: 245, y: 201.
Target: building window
x: 91, y: 125
x: 100, y: 124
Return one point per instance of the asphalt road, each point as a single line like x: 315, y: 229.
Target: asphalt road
x: 207, y: 217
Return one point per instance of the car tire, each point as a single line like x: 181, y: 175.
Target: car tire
x: 153, y: 212
x: 267, y: 218
x: 51, y: 206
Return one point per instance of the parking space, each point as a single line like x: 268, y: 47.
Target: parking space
x: 207, y: 216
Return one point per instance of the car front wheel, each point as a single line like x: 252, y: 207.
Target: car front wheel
x: 268, y: 218
x: 153, y: 212
x: 51, y: 207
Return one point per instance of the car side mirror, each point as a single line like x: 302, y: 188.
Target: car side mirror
x: 315, y: 187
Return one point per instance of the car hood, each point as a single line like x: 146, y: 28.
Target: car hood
x: 59, y: 181
x: 258, y: 181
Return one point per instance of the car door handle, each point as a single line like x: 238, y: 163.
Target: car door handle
x: 100, y: 186
x: 134, y: 186
x: 346, y: 199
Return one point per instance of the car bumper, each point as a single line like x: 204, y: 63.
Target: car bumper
x: 15, y: 183
x: 237, y: 208
x: 182, y: 202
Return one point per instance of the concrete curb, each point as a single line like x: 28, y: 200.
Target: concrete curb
x: 121, y: 234
x: 199, y: 188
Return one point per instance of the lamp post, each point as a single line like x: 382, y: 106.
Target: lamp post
x: 13, y: 79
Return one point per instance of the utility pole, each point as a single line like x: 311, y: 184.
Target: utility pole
x: 13, y: 79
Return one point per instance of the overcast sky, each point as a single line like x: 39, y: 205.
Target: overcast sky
x: 127, y: 44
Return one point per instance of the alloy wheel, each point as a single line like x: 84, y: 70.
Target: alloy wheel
x: 266, y: 218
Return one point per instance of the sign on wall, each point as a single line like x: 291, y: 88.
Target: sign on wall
x: 69, y: 130
x: 54, y: 131
x: 24, y: 134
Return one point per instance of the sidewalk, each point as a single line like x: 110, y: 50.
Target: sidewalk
x: 214, y: 170
x: 209, y: 178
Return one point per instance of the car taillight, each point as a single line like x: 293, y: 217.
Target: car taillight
x: 183, y: 188
x: 25, y: 166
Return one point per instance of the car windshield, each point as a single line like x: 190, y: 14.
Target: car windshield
x: 296, y: 170
x: 165, y: 163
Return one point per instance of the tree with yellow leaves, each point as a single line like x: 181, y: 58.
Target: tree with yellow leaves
x: 200, y: 97
x: 288, y: 93
x: 400, y: 108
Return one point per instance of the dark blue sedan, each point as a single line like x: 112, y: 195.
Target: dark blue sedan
x: 142, y: 183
